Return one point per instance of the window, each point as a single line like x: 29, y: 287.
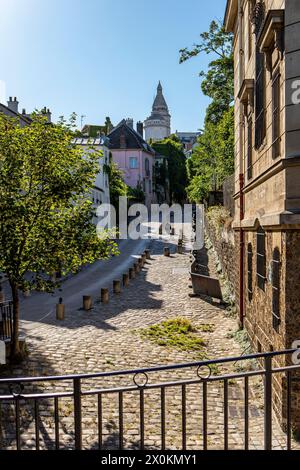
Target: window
x: 276, y: 114
x: 260, y: 124
x: 250, y: 270
x: 133, y: 163
x: 261, y: 258
x: 249, y: 148
x: 250, y: 13
x: 276, y: 288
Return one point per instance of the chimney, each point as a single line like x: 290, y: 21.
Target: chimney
x: 46, y: 112
x: 140, y: 128
x: 123, y: 141
x: 129, y: 122
x: 13, y: 104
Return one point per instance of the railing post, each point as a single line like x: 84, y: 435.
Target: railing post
x: 77, y: 414
x: 268, y: 403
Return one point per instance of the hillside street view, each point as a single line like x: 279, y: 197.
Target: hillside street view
x: 149, y: 229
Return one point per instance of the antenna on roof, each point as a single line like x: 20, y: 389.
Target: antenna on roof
x: 81, y: 119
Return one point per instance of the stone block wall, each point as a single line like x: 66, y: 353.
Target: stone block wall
x: 222, y: 238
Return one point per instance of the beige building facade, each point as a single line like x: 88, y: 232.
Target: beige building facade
x: 267, y: 172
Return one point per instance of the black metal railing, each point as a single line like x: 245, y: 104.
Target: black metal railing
x: 104, y: 411
x: 6, y: 320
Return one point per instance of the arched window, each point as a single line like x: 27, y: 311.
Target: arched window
x: 250, y: 271
x: 276, y: 288
x: 261, y: 258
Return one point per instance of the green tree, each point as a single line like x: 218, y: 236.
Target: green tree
x: 213, y: 158
x: 172, y: 149
x: 218, y: 80
x: 45, y: 208
x: 117, y: 186
x: 137, y: 194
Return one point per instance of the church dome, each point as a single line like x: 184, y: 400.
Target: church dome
x: 159, y: 102
x: 158, y: 124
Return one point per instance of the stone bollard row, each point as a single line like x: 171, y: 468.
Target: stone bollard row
x: 87, y: 299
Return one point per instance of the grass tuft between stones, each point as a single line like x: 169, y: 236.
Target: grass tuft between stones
x: 178, y: 333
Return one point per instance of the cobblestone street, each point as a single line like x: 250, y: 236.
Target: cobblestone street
x: 105, y: 339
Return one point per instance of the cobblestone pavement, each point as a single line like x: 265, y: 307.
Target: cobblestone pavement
x: 105, y: 339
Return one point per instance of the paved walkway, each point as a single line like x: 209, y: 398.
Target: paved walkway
x: 105, y: 340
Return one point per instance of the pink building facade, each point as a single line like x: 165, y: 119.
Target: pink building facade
x: 135, y: 158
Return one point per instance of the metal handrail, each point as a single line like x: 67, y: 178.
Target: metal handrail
x: 187, y: 365
x: 17, y: 399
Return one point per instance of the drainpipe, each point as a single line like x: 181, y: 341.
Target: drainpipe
x: 242, y: 252
x: 242, y: 235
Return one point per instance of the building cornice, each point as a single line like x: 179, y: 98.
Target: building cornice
x: 230, y: 15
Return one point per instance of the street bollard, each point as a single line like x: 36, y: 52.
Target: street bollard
x: 136, y: 268
x: 147, y: 253
x: 131, y: 273
x: 125, y: 280
x: 104, y: 295
x: 87, y: 302
x: 172, y: 231
x: 60, y: 310
x: 116, y: 286
x: 166, y: 251
x: 179, y: 248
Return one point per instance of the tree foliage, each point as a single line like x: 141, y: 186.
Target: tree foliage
x: 45, y: 207
x: 218, y: 80
x: 117, y: 186
x: 213, y: 158
x: 172, y: 149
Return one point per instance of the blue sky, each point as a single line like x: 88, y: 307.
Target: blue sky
x: 104, y: 57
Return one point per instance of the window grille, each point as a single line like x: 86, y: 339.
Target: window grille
x: 261, y: 258
x: 249, y: 149
x: 276, y: 288
x: 276, y: 114
x: 250, y: 270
